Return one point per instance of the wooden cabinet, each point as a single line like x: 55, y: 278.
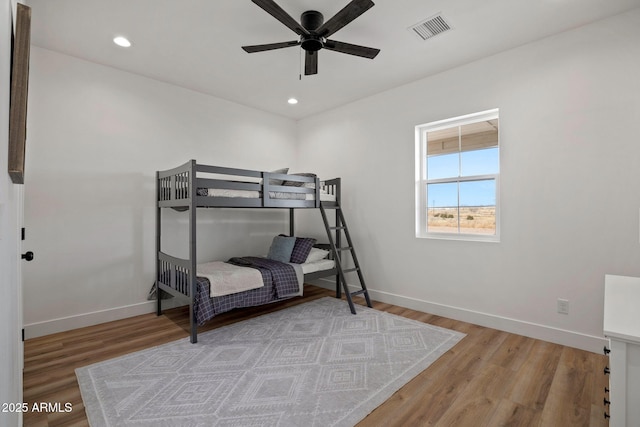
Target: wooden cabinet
x: 622, y: 328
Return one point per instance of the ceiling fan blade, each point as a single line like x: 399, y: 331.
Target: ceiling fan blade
x: 270, y: 46
x: 311, y: 63
x: 277, y: 12
x: 351, y: 49
x: 346, y: 15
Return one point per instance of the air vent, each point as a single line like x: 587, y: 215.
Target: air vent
x: 431, y: 27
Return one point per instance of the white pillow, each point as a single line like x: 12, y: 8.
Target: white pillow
x: 316, y: 254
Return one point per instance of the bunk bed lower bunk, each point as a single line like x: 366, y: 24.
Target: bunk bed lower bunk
x: 230, y: 188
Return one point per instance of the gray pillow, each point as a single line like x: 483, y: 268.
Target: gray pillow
x: 278, y: 181
x: 301, y: 184
x: 281, y: 248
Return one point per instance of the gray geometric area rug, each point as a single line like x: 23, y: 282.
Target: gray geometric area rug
x: 312, y: 365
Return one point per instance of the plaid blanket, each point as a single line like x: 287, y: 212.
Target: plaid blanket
x: 280, y: 282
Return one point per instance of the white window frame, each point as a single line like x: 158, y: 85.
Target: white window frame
x: 421, y: 177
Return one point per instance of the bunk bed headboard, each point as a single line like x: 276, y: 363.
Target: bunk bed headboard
x: 173, y: 185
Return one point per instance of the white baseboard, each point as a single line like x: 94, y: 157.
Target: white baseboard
x: 39, y: 329
x: 573, y: 339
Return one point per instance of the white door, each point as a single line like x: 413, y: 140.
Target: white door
x: 19, y: 189
x: 11, y: 347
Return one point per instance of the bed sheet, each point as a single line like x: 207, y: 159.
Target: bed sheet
x: 249, y: 194
x: 312, y: 267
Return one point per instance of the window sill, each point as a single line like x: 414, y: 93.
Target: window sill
x: 461, y: 237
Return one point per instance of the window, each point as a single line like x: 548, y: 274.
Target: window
x: 458, y: 178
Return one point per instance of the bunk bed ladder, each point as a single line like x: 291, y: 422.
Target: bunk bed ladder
x: 336, y: 249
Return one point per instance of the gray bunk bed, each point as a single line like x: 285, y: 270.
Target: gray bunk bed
x: 192, y: 186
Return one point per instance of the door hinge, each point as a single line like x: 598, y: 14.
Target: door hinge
x: 22, y: 334
x: 23, y: 233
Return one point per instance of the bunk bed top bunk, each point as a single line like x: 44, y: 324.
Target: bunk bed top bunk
x: 242, y: 188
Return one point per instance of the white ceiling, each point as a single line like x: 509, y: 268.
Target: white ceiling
x: 196, y: 44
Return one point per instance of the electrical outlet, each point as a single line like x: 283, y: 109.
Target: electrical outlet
x: 563, y: 306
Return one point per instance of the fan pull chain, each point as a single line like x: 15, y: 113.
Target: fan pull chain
x: 300, y: 65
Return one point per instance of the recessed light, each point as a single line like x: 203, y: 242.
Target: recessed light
x: 292, y: 101
x: 122, y: 41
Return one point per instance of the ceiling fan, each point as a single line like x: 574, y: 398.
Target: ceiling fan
x: 314, y: 32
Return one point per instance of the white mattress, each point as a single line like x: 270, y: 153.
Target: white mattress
x: 249, y: 194
x: 312, y: 267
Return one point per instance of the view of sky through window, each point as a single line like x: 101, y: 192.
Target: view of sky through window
x: 472, y: 193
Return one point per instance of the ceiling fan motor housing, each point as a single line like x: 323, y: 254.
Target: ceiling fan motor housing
x: 311, y: 20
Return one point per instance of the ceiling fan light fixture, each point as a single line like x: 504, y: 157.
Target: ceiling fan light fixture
x: 292, y: 101
x: 312, y: 43
x: 122, y: 41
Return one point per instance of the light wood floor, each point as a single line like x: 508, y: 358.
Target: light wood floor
x: 490, y: 378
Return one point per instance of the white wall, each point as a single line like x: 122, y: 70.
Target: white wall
x: 96, y: 137
x: 569, y: 108
x: 10, y: 322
